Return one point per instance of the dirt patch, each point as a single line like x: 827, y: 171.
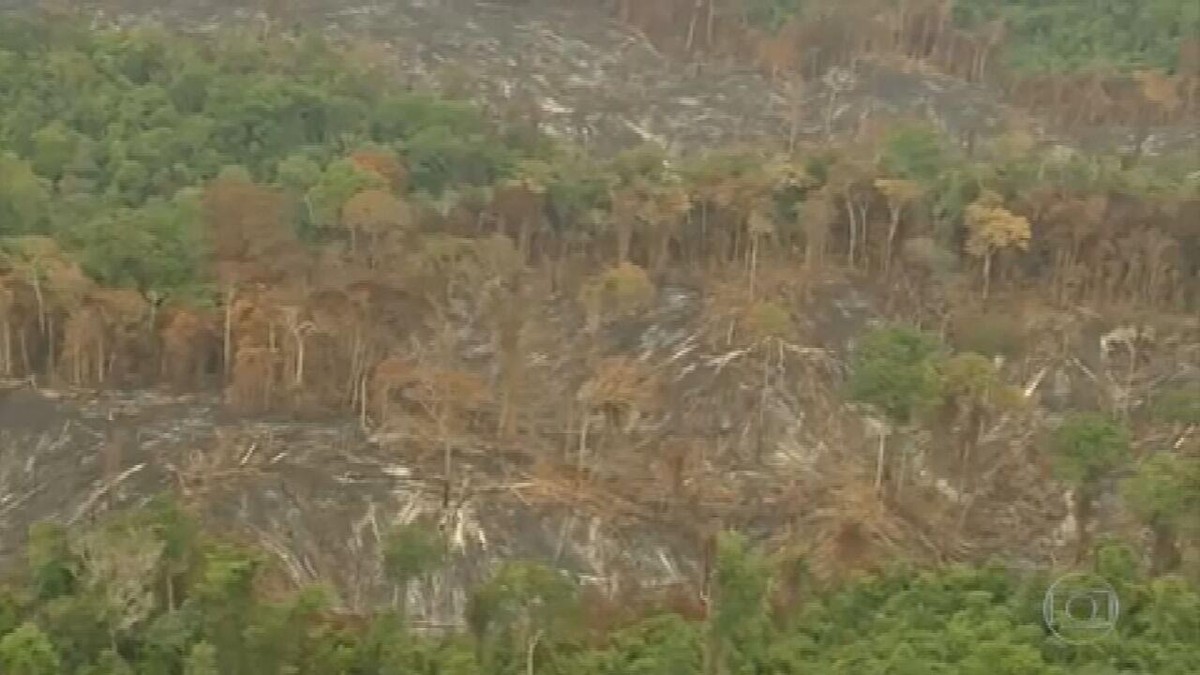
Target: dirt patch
x: 23, y: 409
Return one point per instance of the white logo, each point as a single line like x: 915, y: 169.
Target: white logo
x: 1080, y: 608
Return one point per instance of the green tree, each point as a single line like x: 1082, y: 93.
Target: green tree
x: 1165, y: 493
x: 28, y: 651
x: 739, y: 629
x: 895, y: 371
x: 340, y: 181
x: 524, y: 606
x: 52, y: 568
x: 201, y: 660
x: 409, y: 552
x: 973, y: 387
x: 54, y: 147
x: 24, y: 197
x: 1086, y: 448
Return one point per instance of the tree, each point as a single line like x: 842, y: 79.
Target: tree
x: 385, y: 164
x: 520, y: 202
x: 738, y: 626
x: 341, y: 180
x: 201, y: 660
x: 250, y: 241
x: 1165, y: 493
x: 972, y: 384
x: 666, y: 644
x: 1085, y: 448
x: 522, y: 606
x: 900, y: 194
x: 409, y: 552
x: 448, y: 396
x: 28, y: 651
x: 992, y: 228
x: 375, y: 214
x: 24, y: 197
x: 895, y: 370
x: 119, y: 567
x: 54, y: 147
x: 623, y: 290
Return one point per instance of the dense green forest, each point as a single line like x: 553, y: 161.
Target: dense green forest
x: 1031, y: 36
x: 1046, y: 36
x: 145, y: 594
x: 268, y: 215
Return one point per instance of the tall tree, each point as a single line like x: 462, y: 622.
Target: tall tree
x: 993, y: 228
x: 1086, y: 448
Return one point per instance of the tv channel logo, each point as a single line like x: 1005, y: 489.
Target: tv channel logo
x: 1080, y: 607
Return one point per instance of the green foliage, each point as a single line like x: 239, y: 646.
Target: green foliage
x: 771, y: 14
x: 410, y: 551
x: 1177, y: 404
x: 895, y: 369
x: 659, y: 645
x: 155, y: 246
x: 914, y: 153
x: 28, y: 651
x: 522, y: 594
x: 24, y: 197
x: 122, y: 120
x: 768, y: 319
x: 1166, y: 490
x: 51, y: 568
x: 1087, y: 34
x: 202, y: 660
x: 950, y: 620
x: 1087, y: 446
x: 739, y: 628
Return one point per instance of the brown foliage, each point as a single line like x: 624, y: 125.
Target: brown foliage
x: 246, y: 224
x: 375, y: 214
x: 386, y: 165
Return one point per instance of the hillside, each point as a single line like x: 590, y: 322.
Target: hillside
x: 425, y: 302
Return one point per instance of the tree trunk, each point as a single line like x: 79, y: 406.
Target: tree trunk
x: 753, y: 261
x: 583, y: 435
x: 691, y: 32
x: 447, y: 459
x: 1165, y: 551
x: 879, y: 457
x: 710, y: 23
x: 41, y: 300
x: 6, y: 348
x: 893, y: 228
x: 529, y: 652
x: 624, y: 242
x: 228, y: 331
x: 829, y: 114
x: 987, y: 274
x: 852, y: 254
x: 299, y: 359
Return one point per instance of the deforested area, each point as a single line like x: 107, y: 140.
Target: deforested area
x: 566, y: 337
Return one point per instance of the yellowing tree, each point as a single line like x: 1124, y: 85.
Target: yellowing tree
x: 620, y: 291
x: 993, y: 228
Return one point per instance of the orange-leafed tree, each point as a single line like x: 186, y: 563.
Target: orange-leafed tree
x: 993, y: 228
x: 385, y: 164
x: 251, y: 242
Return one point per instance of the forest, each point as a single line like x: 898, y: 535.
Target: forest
x: 146, y: 593
x: 267, y: 213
